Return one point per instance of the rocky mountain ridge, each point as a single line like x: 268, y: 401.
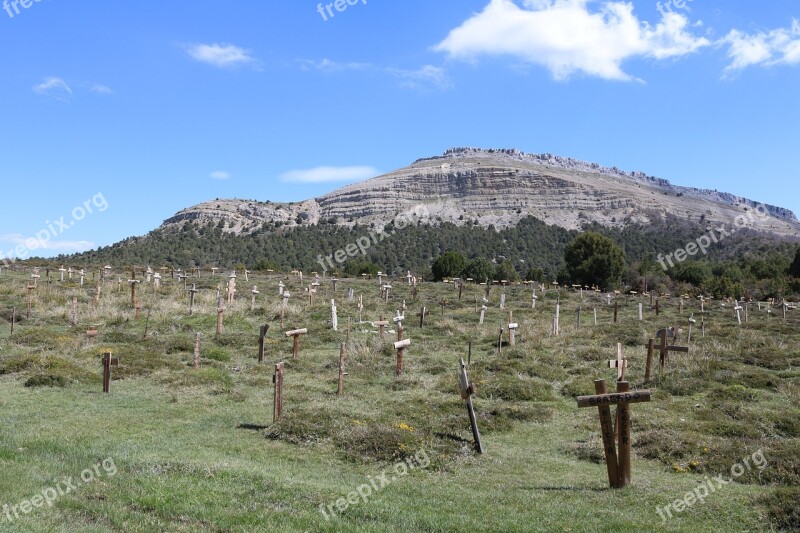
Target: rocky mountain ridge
x: 499, y: 188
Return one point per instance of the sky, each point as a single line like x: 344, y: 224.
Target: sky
x: 116, y: 115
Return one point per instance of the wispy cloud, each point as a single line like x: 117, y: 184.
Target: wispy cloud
x: 100, y: 89
x: 329, y: 174
x: 426, y: 77
x: 766, y: 48
x: 32, y: 244
x: 220, y: 175
x: 219, y: 55
x: 54, y: 88
x: 567, y: 37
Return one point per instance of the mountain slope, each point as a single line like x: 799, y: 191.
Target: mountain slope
x: 499, y: 188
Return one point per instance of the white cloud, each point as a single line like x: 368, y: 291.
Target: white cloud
x: 101, y: 89
x: 566, y: 37
x: 428, y: 75
x: 424, y: 77
x: 219, y: 55
x: 54, y: 88
x: 33, y: 244
x: 220, y: 175
x: 326, y: 174
x: 767, y: 48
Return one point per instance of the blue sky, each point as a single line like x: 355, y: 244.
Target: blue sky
x: 120, y: 113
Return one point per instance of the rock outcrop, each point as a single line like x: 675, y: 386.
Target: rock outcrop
x: 500, y: 187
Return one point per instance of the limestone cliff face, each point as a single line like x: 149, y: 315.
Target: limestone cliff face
x: 500, y: 187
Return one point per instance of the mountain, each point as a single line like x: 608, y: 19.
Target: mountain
x: 500, y: 188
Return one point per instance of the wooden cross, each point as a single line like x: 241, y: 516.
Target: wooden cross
x: 254, y: 293
x: 382, y: 324
x: 664, y: 348
x: 620, y: 363
x: 467, y: 391
x: 401, y: 346
x: 108, y: 362
x: 512, y: 328
x: 618, y: 464
x: 192, y: 292
x: 295, y: 333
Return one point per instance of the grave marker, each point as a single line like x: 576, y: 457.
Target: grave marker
x: 401, y: 346
x: 622, y: 399
x: 108, y: 362
x: 277, y: 379
x: 467, y: 391
x: 295, y: 334
x: 342, y: 373
x: 262, y: 332
x: 196, y: 361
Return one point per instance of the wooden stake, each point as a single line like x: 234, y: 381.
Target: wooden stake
x: 196, y: 362
x: 624, y: 418
x: 342, y: 373
x: 467, y: 391
x: 607, y: 432
x: 277, y: 379
x: 261, y: 334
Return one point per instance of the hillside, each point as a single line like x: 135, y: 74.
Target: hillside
x: 498, y: 188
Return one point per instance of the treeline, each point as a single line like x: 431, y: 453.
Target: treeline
x: 747, y: 262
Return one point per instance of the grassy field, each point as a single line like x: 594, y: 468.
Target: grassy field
x: 174, y: 448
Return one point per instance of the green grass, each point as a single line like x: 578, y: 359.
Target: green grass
x: 196, y: 449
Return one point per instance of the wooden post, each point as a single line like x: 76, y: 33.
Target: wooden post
x: 382, y: 324
x: 192, y: 292
x: 196, y: 361
x: 295, y: 334
x: 334, y: 316
x: 108, y: 362
x: 607, y: 432
x: 649, y: 364
x: 578, y: 325
x: 616, y: 309
x: 147, y: 324
x: 30, y: 300
x: 658, y: 307
x: 400, y: 345
x: 421, y: 316
x: 261, y: 334
x: 443, y: 303
x: 467, y: 391
x: 13, y: 319
x: 483, y: 312
x: 277, y: 379
x: 342, y: 373
x: 220, y: 311
x: 74, y: 319
x: 624, y: 419
x: 640, y: 311
x: 512, y: 328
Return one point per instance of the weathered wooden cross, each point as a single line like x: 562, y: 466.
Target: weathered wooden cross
x: 295, y: 334
x: 664, y: 348
x: 401, y: 346
x: 618, y: 463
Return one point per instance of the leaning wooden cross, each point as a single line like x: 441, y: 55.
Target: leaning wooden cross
x: 467, y: 391
x: 618, y: 461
